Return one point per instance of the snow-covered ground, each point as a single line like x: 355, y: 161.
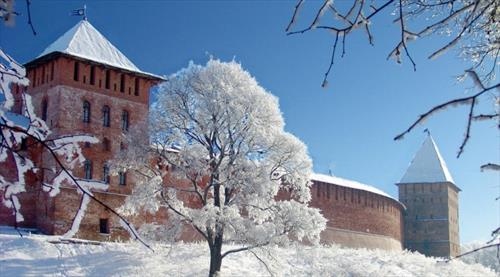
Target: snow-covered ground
x: 35, y: 255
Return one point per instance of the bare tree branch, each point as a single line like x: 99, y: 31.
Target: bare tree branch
x: 294, y: 17
x: 454, y: 102
x: 325, y: 81
x: 472, y: 251
x: 490, y: 166
x: 30, y: 22
x: 262, y: 262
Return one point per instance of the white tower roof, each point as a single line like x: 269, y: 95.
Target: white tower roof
x: 84, y: 41
x: 427, y: 166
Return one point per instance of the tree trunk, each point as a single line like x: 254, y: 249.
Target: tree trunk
x: 216, y: 255
x: 216, y: 246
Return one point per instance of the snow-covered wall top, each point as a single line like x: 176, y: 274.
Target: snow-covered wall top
x: 84, y: 41
x: 347, y: 183
x: 427, y: 166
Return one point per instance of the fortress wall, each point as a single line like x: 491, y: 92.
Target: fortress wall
x: 356, y: 218
x: 27, y: 199
x: 355, y: 239
x: 366, y: 214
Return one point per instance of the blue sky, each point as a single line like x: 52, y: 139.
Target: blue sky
x: 349, y: 126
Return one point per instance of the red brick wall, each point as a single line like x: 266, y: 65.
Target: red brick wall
x: 27, y: 200
x: 358, y: 210
x: 63, y: 75
x: 53, y: 81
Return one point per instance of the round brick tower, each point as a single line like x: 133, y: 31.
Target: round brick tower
x: 359, y: 215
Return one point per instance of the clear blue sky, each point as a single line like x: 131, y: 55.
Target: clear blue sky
x: 348, y: 127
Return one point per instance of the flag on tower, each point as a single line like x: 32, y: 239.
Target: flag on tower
x: 79, y: 12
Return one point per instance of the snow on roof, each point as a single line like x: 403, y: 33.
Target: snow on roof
x: 427, y: 166
x: 348, y: 183
x: 84, y: 41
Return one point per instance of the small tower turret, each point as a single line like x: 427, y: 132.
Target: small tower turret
x: 431, y: 198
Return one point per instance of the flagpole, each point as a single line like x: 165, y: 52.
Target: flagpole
x: 80, y: 12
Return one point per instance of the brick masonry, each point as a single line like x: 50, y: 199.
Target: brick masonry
x: 355, y: 217
x: 431, y: 218
x: 364, y: 214
x: 54, y: 86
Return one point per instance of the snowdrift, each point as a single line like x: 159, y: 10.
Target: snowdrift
x: 37, y: 255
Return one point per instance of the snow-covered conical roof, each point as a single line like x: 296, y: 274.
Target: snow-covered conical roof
x: 84, y: 41
x: 427, y: 166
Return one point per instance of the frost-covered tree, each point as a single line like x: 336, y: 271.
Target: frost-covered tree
x: 219, y: 158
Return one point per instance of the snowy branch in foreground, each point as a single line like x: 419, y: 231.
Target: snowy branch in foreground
x: 471, y: 101
x: 472, y: 25
x: 490, y: 166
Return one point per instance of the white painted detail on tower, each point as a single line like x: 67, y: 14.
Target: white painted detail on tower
x: 427, y: 166
x: 84, y: 41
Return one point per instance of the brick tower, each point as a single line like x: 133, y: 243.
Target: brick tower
x: 431, y: 198
x: 82, y: 84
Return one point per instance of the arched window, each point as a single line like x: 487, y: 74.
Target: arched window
x: 87, y: 170
x: 106, y: 144
x: 76, y: 71
x: 123, y: 178
x: 105, y: 173
x: 103, y: 226
x: 52, y: 71
x: 92, y: 74
x: 105, y: 116
x: 43, y: 74
x: 24, y: 144
x: 137, y: 87
x: 125, y: 120
x: 107, y: 79
x: 86, y: 112
x: 44, y: 109
x: 34, y: 78
x: 122, y: 83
